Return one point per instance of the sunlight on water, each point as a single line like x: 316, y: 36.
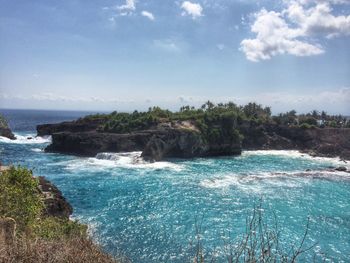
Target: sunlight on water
x: 147, y: 211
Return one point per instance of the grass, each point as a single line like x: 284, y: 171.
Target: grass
x: 40, y: 250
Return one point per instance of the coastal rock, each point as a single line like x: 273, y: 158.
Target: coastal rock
x: 325, y: 142
x: 341, y: 169
x: 5, y: 130
x: 54, y: 201
x: 80, y: 125
x: 92, y: 143
x: 182, y: 139
x: 174, y: 143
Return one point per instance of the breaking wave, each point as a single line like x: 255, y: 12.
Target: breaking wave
x: 294, y: 154
x: 26, y: 139
x: 255, y: 181
x: 119, y: 160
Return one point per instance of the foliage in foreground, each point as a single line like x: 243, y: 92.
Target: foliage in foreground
x: 20, y: 197
x: 261, y: 243
x: 73, y: 250
x: 40, y: 238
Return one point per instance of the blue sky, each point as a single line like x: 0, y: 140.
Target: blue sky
x: 132, y: 54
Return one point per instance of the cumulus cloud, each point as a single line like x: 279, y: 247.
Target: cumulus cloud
x: 147, y: 14
x: 128, y: 8
x: 318, y: 20
x: 191, y: 9
x: 290, y: 31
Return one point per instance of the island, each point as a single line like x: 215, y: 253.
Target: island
x: 210, y: 130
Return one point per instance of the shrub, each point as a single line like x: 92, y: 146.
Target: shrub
x: 54, y: 227
x: 307, y: 126
x: 20, y: 197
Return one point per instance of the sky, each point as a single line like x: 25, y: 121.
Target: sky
x: 132, y: 54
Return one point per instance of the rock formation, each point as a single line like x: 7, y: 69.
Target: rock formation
x: 5, y: 130
x: 182, y: 139
x: 55, y: 203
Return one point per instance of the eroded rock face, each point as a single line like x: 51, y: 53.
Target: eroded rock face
x: 91, y: 143
x: 55, y: 203
x: 5, y: 130
x: 327, y: 142
x: 175, y: 143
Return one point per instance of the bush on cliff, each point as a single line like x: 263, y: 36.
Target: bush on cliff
x: 40, y: 238
x: 19, y: 197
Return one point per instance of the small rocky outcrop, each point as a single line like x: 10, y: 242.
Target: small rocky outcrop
x: 5, y: 130
x: 55, y: 203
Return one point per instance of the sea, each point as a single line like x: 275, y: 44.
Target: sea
x: 157, y: 212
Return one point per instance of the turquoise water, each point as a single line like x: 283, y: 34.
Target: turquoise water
x: 148, y: 212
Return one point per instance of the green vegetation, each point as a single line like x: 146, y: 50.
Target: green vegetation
x: 39, y: 238
x: 3, y: 122
x: 215, y: 120
x: 19, y: 197
x: 22, y: 200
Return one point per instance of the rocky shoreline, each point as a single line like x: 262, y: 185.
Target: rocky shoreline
x: 179, y: 140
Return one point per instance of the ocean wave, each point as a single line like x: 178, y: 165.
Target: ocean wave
x: 255, y: 181
x: 294, y: 154
x: 119, y: 160
x: 26, y: 139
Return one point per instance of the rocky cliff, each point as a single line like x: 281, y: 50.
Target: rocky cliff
x: 5, y: 130
x: 55, y: 203
x: 182, y: 139
x: 327, y: 142
x: 178, y: 139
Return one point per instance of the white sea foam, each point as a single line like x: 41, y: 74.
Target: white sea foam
x: 37, y: 150
x: 297, y: 155
x: 26, y: 139
x: 121, y: 160
x: 264, y: 179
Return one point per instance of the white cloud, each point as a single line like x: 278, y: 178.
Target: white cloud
x: 166, y: 45
x: 127, y: 9
x: 147, y: 14
x: 128, y: 6
x: 290, y: 30
x: 192, y: 9
x: 318, y: 20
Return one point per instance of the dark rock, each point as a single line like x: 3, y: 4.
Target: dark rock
x: 5, y: 130
x: 54, y: 201
x: 29, y: 138
x: 341, y: 169
x: 80, y: 125
x: 91, y: 143
x: 174, y: 143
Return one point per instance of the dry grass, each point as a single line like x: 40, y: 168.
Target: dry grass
x: 75, y: 250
